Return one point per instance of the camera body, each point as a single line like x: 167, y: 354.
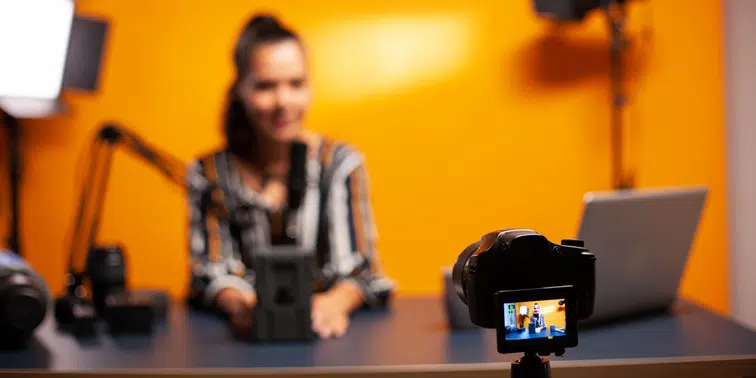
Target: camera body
x: 24, y: 298
x: 513, y: 266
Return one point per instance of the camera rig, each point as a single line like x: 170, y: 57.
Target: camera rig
x: 513, y: 268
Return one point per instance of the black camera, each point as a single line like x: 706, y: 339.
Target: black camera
x: 511, y: 268
x: 24, y: 298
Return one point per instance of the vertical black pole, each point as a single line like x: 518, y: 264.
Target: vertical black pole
x: 616, y: 21
x: 14, y: 239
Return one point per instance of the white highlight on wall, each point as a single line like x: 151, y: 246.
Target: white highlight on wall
x: 384, y: 55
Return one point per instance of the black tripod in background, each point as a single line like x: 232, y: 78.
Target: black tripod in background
x: 14, y: 160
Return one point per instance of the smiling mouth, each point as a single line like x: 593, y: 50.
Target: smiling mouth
x: 282, y: 123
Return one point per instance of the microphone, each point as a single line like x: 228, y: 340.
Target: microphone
x: 297, y: 179
x: 284, y: 272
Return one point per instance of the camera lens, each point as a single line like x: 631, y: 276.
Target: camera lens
x: 460, y: 269
x: 24, y: 309
x: 23, y: 300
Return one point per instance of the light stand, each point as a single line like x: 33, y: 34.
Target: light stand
x: 616, y: 16
x: 14, y: 239
x: 46, y: 49
x: 576, y: 11
x: 34, y: 35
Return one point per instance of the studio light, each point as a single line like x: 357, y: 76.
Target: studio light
x: 34, y: 39
x: 44, y: 50
x: 567, y: 10
x: 561, y: 11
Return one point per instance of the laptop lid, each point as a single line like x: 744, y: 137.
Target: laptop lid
x: 642, y: 239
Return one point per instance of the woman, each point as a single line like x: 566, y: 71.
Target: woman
x: 266, y: 109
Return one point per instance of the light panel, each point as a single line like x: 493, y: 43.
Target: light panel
x: 34, y: 37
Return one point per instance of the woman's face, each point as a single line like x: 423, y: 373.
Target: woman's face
x: 276, y: 93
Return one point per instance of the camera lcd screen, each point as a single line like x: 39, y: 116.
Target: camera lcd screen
x: 535, y: 319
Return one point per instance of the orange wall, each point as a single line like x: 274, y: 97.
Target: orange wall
x: 471, y: 119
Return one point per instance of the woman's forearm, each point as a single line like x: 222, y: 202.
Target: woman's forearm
x: 347, y: 295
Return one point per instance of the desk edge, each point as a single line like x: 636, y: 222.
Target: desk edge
x: 689, y: 367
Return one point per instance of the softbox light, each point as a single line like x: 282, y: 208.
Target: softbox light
x: 34, y: 40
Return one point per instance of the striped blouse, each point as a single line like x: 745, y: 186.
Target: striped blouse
x: 222, y: 247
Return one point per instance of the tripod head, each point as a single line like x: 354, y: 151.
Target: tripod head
x: 531, y: 365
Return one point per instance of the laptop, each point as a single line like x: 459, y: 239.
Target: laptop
x: 642, y: 239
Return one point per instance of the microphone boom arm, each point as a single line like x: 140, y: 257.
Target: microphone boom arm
x: 87, y: 220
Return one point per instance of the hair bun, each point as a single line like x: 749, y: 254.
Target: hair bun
x: 264, y: 21
x: 263, y: 27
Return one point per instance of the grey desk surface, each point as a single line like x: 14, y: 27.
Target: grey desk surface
x: 412, y: 332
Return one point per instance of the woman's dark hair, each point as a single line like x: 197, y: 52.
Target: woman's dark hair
x: 237, y: 127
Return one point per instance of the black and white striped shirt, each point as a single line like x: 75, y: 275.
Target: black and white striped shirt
x: 222, y: 247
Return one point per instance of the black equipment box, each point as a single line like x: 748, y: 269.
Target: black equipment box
x: 285, y: 282
x: 130, y: 312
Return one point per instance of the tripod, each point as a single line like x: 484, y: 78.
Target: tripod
x: 530, y: 365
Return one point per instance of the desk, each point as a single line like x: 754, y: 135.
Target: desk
x: 409, y: 339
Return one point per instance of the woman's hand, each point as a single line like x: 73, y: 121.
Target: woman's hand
x: 330, y: 310
x: 238, y: 306
x: 329, y: 319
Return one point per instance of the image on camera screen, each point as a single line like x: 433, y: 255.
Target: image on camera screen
x: 535, y: 319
